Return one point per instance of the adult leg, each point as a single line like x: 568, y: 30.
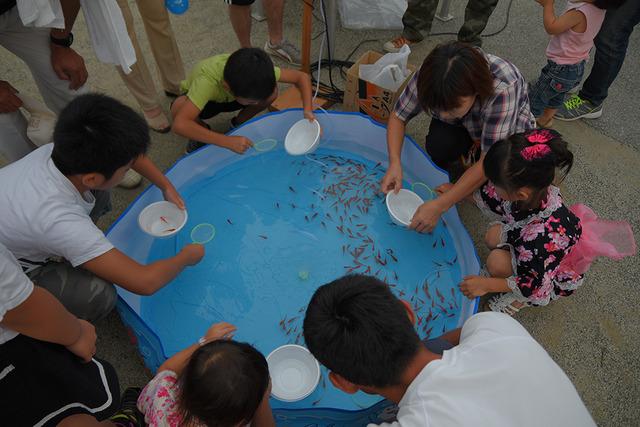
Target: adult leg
x: 446, y: 143
x: 32, y: 45
x: 476, y: 16
x: 84, y: 294
x: 14, y: 143
x: 611, y: 48
x: 139, y: 80
x: 163, y: 43
x: 274, y: 10
x: 240, y: 16
x: 277, y: 45
x: 418, y: 18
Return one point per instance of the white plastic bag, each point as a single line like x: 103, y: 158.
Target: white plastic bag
x: 372, y: 14
x: 41, y: 120
x: 388, y: 72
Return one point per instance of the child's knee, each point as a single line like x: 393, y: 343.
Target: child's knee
x: 499, y: 263
x: 493, y: 235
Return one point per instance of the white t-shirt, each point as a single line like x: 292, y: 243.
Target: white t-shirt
x: 42, y: 214
x: 498, y: 376
x: 15, y: 288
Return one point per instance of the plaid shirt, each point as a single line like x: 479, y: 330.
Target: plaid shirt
x: 503, y: 114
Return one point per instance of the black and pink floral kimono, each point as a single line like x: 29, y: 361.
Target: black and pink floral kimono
x: 538, y: 240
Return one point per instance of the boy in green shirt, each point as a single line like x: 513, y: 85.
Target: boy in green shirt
x: 245, y: 80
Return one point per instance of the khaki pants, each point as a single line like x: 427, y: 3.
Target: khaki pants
x: 32, y: 46
x: 164, y: 48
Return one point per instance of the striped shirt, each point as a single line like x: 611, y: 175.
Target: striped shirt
x: 506, y: 112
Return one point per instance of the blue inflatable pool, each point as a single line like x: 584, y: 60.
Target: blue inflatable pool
x: 276, y: 227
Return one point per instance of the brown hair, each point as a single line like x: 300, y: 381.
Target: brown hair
x: 451, y: 71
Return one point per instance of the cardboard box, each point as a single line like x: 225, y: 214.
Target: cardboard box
x: 368, y: 98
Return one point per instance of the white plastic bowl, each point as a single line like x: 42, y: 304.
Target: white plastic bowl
x: 303, y: 137
x: 402, y: 206
x: 162, y: 219
x: 295, y: 373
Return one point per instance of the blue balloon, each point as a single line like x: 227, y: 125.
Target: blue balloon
x: 177, y: 7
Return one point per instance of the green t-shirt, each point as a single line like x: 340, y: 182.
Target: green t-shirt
x: 205, y: 82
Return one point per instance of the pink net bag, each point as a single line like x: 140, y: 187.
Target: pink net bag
x: 611, y: 239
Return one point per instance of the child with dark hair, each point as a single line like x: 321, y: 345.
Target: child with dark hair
x: 364, y: 335
x: 215, y: 383
x: 51, y: 198
x: 572, y: 35
x: 245, y: 81
x: 474, y: 100
x: 540, y: 248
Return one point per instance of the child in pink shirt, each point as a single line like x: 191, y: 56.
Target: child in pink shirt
x: 216, y: 382
x: 572, y: 35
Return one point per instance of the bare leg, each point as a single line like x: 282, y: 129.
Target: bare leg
x: 546, y: 119
x: 492, y: 238
x: 274, y: 9
x: 240, y: 17
x: 499, y: 263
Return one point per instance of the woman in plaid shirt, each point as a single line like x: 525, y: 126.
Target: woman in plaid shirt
x: 474, y: 100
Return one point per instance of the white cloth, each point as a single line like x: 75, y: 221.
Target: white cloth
x: 15, y: 288
x: 41, y: 13
x: 108, y: 32
x: 42, y: 214
x: 105, y: 23
x: 498, y: 376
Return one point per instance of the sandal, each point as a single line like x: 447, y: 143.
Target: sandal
x: 506, y: 303
x: 158, y: 123
x: 393, y: 46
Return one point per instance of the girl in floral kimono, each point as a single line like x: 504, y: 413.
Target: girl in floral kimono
x: 540, y: 248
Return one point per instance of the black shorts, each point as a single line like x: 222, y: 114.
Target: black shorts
x: 214, y: 108
x: 42, y: 383
x: 240, y: 2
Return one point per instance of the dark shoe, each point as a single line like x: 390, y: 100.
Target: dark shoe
x: 128, y: 414
x: 576, y: 108
x: 193, y: 146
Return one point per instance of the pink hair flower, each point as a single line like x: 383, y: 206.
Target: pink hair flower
x: 535, y: 152
x: 541, y: 136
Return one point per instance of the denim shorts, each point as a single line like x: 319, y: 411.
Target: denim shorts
x: 553, y: 84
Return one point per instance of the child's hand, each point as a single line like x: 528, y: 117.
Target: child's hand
x: 443, y: 188
x: 85, y: 345
x: 194, y: 253
x: 309, y: 115
x: 239, y: 144
x: 170, y: 194
x: 545, y: 3
x: 220, y: 331
x: 473, y: 286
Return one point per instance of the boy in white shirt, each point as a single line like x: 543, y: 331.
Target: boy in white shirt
x: 49, y: 198
x: 491, y: 377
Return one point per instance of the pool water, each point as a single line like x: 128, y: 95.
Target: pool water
x: 284, y: 226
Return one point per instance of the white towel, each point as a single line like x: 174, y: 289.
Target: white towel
x: 108, y: 32
x: 105, y: 23
x: 41, y: 13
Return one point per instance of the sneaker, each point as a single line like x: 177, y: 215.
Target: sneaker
x: 393, y: 46
x: 285, y: 50
x: 193, y: 145
x: 576, y: 108
x: 128, y: 414
x: 131, y: 179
